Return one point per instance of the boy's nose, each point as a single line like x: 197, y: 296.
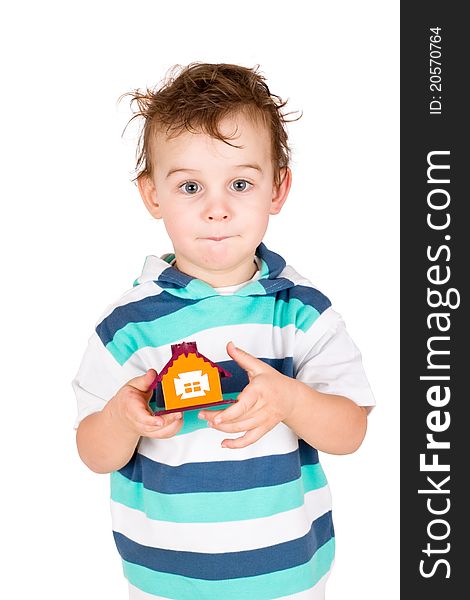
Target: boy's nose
x: 217, y: 216
x: 217, y: 211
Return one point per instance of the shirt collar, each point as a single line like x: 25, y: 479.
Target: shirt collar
x: 173, y: 281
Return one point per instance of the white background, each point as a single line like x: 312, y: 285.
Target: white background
x: 75, y: 234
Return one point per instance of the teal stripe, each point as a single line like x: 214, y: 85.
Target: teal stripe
x: 252, y: 289
x: 264, y: 269
x: 209, y: 314
x: 191, y: 422
x: 262, y: 587
x: 306, y: 315
x: 215, y: 507
x: 196, y: 288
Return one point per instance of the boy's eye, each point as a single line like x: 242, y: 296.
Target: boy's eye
x: 189, y: 187
x: 241, y: 185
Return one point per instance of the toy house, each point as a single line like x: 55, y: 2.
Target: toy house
x: 190, y: 380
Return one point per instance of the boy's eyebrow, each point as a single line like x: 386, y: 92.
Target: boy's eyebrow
x: 254, y: 166
x: 171, y: 171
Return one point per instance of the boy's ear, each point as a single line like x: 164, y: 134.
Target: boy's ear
x: 148, y: 193
x: 281, y: 191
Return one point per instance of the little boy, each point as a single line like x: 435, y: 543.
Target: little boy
x: 220, y: 503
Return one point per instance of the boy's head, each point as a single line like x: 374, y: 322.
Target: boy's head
x: 213, y: 163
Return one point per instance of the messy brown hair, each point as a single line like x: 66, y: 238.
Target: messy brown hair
x: 197, y: 97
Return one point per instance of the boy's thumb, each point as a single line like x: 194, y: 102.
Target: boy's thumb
x: 145, y: 382
x: 250, y: 363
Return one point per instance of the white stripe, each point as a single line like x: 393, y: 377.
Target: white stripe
x: 315, y: 593
x: 306, y: 340
x: 263, y: 340
x: 99, y: 377
x: 297, y: 279
x: 204, y: 445
x: 332, y: 363
x: 231, y: 536
x: 139, y: 292
x: 136, y: 594
x: 153, y: 268
x: 257, y: 339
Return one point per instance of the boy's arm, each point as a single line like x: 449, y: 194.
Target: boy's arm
x: 103, y: 444
x: 330, y: 423
x: 106, y: 440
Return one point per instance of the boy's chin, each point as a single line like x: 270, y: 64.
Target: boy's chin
x: 218, y: 254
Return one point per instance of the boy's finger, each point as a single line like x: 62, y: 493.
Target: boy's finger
x: 147, y: 420
x: 239, y: 426
x: 168, y: 419
x: 210, y: 415
x: 171, y: 418
x: 245, y: 403
x: 249, y: 438
x: 144, y: 383
x: 252, y: 365
x: 167, y: 431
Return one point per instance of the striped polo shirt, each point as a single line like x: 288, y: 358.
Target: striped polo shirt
x: 195, y: 521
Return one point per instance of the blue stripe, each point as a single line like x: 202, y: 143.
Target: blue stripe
x: 274, y: 286
x: 217, y: 476
x: 263, y: 587
x: 229, y: 565
x: 217, y: 507
x: 274, y: 261
x: 309, y: 296
x: 308, y: 454
x: 141, y: 311
x: 239, y: 379
x: 232, y: 386
x: 174, y: 276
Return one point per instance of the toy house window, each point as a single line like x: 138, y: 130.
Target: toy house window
x: 191, y: 384
x: 192, y: 387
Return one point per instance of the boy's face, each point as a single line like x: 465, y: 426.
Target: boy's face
x: 215, y: 199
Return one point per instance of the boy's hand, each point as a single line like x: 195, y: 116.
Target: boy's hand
x: 130, y: 407
x: 265, y: 401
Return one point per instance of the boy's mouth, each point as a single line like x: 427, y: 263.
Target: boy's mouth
x: 218, y: 239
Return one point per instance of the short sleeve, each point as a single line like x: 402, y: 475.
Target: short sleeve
x: 98, y: 379
x: 327, y: 360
